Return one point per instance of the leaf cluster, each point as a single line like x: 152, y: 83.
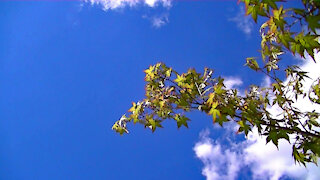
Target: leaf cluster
x: 170, y: 95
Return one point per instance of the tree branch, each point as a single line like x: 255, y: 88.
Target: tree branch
x: 287, y: 129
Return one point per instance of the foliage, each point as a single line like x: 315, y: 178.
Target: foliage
x: 169, y: 95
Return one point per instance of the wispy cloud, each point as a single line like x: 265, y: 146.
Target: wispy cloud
x: 219, y: 163
x: 116, y: 4
x: 232, y: 82
x: 243, y: 22
x: 159, y: 20
x: 265, y: 161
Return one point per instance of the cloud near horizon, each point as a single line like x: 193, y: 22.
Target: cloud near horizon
x: 263, y: 160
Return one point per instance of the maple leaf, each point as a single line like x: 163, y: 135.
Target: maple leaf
x: 150, y: 73
x: 153, y: 124
x: 181, y: 120
x: 180, y: 80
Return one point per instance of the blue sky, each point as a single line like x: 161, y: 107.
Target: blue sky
x: 69, y: 70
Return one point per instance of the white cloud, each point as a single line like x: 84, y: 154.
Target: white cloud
x: 282, y: 163
x: 232, y: 82
x: 219, y: 163
x: 159, y: 20
x: 265, y: 161
x: 115, y: 4
x: 266, y: 82
x: 243, y: 22
x: 303, y: 103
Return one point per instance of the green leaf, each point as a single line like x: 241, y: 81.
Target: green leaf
x: 218, y: 89
x: 252, y: 63
x: 181, y: 120
x: 180, y: 80
x: 150, y: 74
x: 299, y: 11
x: 210, y: 99
x: 221, y: 119
x: 313, y: 22
x: 214, y: 113
x: 253, y: 11
x: 153, y: 124
x: 168, y: 72
x: 285, y: 39
x: 271, y: 3
x: 275, y: 135
x: 121, y: 130
x: 244, y: 127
